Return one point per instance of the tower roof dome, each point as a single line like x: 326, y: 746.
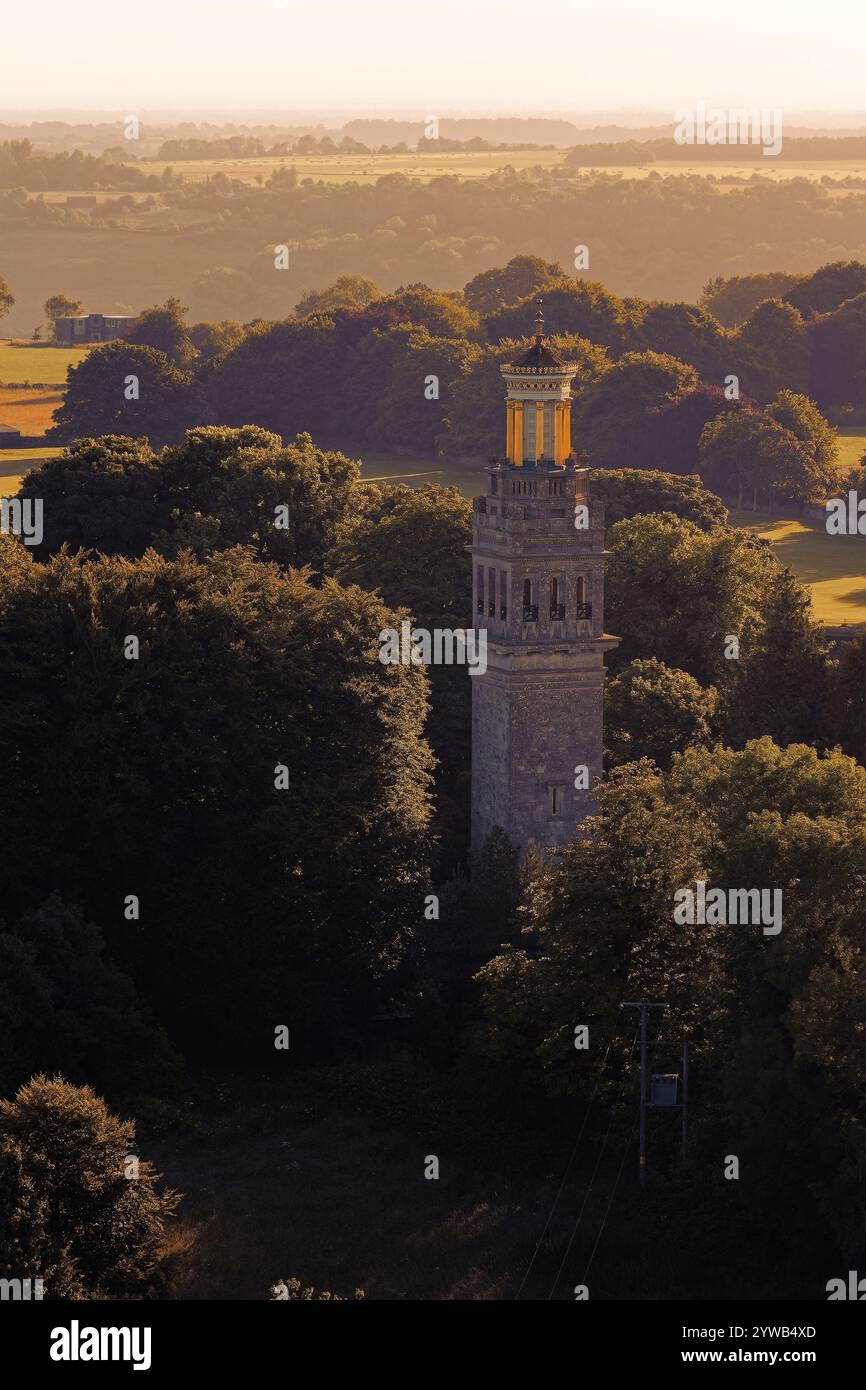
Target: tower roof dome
x: 540, y: 357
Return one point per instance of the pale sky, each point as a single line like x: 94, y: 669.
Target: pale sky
x: 127, y: 56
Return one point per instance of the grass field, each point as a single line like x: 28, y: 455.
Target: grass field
x: 42, y: 364
x: 27, y: 408
x: 834, y: 567
x: 852, y: 446
x: 338, y: 168
x: 361, y: 168
x: 14, y: 463
x: 417, y: 472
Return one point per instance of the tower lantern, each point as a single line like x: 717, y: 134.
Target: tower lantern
x: 538, y: 589
x: 538, y: 404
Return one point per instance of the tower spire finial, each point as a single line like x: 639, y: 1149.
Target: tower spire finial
x: 539, y: 323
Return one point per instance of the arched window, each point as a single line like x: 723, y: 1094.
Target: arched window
x: 557, y: 609
x: 584, y: 608
x: 530, y: 609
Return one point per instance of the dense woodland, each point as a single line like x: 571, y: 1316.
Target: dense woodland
x: 664, y: 387
x: 210, y: 243
x: 259, y: 905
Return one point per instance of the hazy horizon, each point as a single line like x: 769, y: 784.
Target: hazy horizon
x: 562, y: 57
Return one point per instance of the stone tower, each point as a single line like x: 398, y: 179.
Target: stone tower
x: 538, y: 589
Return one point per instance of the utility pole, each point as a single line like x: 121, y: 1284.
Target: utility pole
x: 685, y: 1093
x: 643, y: 1005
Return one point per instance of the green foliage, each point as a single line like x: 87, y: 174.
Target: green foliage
x: 778, y: 1058
x: 101, y: 494
x: 848, y: 698
x: 771, y: 351
x: 7, y: 298
x: 652, y: 711
x: 802, y: 417
x: 347, y: 292
x: 443, y: 315
x: 689, y: 333
x: 60, y: 305
x: 670, y: 432
x: 223, y: 487
x: 583, y: 308
x: 158, y: 776
x: 409, y: 544
x: 501, y: 288
x: 284, y: 377
x: 828, y: 287
x: 783, y: 453
x: 63, y: 1004
x: 387, y: 387
x: 630, y: 492
x: 68, y: 1213
x: 676, y: 593
x: 219, y: 488
x: 610, y: 415
x: 96, y: 396
x: 837, y: 344
x: 732, y: 300
x: 478, y: 917
x: 212, y: 341
x: 779, y: 685
x: 164, y: 329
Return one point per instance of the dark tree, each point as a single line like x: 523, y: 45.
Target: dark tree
x: 261, y: 903
x: 70, y: 1209
x: 164, y: 328
x: 123, y: 389
x: 652, y: 711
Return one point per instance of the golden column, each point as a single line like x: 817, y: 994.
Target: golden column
x: 557, y: 432
x: 539, y: 430
x: 518, y: 433
x: 566, y: 428
x: 509, y: 431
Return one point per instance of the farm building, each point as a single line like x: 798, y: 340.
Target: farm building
x: 91, y: 328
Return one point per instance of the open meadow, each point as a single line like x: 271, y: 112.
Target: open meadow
x: 46, y: 365
x: 14, y: 463
x: 480, y: 164
x: 29, y: 408
x: 834, y: 567
x: 852, y: 447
